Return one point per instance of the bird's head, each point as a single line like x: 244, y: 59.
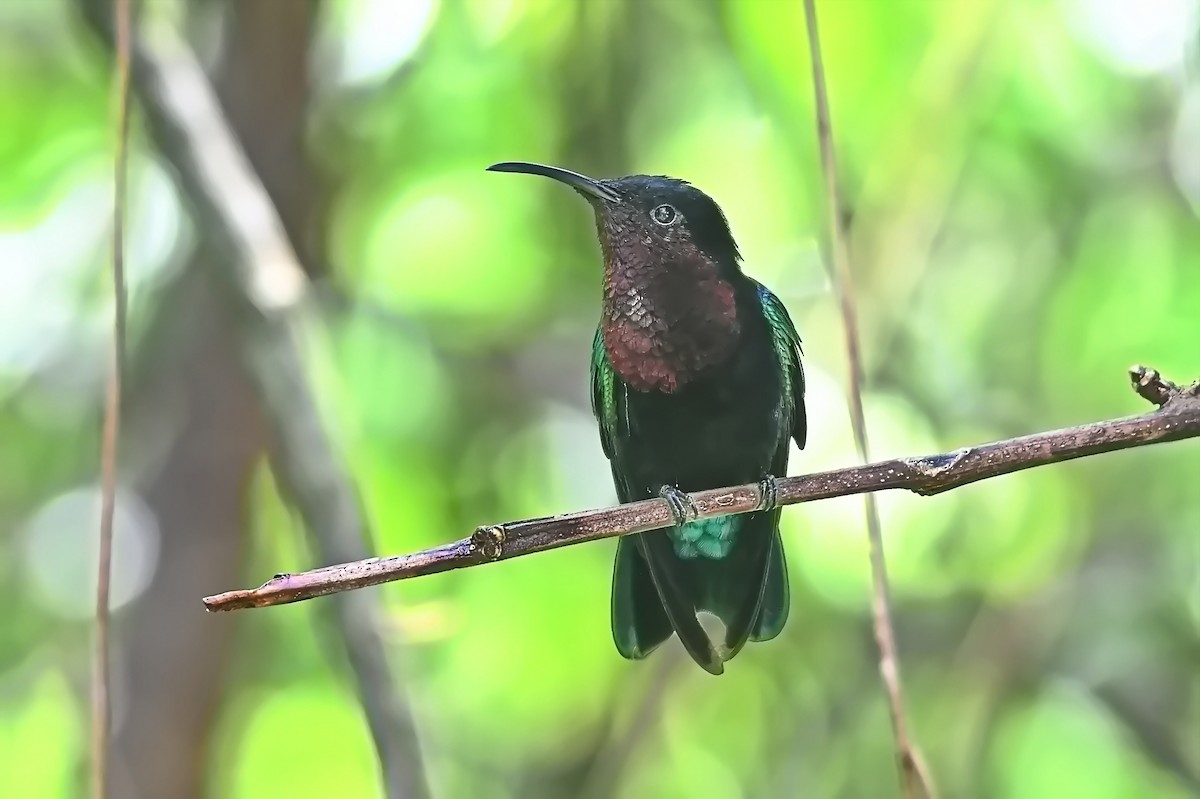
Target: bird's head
x: 648, y: 220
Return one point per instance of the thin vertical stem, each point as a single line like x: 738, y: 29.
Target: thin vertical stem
x: 915, y: 781
x: 101, y: 707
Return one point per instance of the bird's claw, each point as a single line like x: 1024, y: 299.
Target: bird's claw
x: 769, y: 491
x: 683, y: 509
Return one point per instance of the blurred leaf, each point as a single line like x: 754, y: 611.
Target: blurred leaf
x: 41, y: 738
x: 1064, y: 745
x: 308, y: 741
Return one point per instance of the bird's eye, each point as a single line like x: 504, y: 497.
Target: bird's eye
x: 664, y: 214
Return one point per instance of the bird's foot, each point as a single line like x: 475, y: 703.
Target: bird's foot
x: 769, y: 492
x: 683, y: 509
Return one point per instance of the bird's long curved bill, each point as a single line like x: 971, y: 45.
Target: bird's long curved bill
x: 581, y: 183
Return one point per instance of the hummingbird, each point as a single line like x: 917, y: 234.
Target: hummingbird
x: 696, y: 383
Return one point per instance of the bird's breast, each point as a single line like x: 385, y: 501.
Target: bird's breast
x: 662, y: 335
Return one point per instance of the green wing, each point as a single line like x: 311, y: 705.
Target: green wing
x: 787, y: 349
x: 608, y: 397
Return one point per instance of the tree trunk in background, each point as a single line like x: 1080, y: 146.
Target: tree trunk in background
x: 264, y: 88
x: 174, y: 658
x: 174, y: 654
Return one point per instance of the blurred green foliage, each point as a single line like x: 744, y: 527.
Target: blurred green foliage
x: 1024, y: 180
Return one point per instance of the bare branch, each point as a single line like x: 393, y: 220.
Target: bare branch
x: 267, y: 279
x: 916, y: 780
x: 1177, y: 419
x: 101, y: 706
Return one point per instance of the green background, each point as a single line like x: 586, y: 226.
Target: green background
x: 1022, y: 181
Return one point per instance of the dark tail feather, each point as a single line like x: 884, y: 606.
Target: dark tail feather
x: 639, y: 622
x: 648, y: 590
x: 748, y: 589
x: 776, y: 599
x: 655, y: 592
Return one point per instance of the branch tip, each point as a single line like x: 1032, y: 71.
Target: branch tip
x: 1151, y: 386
